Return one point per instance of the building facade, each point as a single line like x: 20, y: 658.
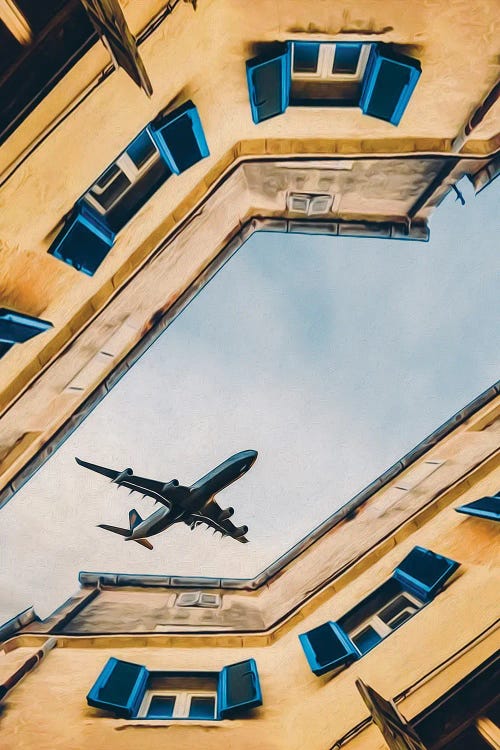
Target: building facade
x: 394, y: 598
x: 119, y: 203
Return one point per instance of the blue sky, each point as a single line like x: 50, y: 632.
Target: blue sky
x: 331, y: 357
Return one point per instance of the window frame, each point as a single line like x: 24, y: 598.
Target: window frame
x: 197, y: 599
x: 326, y: 60
x: 126, y: 167
x: 182, y: 705
x: 379, y: 626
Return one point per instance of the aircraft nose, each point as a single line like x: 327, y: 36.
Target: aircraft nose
x: 248, y: 457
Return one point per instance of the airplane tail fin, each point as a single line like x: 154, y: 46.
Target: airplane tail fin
x: 134, y: 519
x: 115, y: 529
x: 144, y: 542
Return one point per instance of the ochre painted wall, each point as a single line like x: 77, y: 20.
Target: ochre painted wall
x: 48, y: 709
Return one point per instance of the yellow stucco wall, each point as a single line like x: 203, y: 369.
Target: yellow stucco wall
x: 51, y: 159
x: 48, y: 709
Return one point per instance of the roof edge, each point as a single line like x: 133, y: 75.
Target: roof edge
x: 88, y: 578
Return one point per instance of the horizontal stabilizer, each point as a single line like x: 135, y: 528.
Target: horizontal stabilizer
x: 115, y: 529
x: 144, y: 543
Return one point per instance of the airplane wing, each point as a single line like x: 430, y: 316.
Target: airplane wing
x: 210, y: 515
x: 150, y: 487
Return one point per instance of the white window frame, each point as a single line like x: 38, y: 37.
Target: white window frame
x: 326, y: 58
x: 182, y: 703
x: 131, y: 172
x: 378, y: 625
x: 198, y: 599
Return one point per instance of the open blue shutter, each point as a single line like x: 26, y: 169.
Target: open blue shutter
x: 119, y: 688
x: 424, y: 573
x: 180, y: 138
x: 15, y: 327
x: 269, y: 84
x: 328, y: 647
x: 239, y: 687
x: 485, y: 507
x: 388, y: 83
x: 85, y: 239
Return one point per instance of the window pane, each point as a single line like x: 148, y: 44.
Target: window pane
x: 400, y: 606
x: 202, y: 707
x: 110, y: 186
x: 366, y: 639
x: 142, y: 149
x: 400, y: 619
x: 161, y: 707
x: 346, y: 58
x: 305, y: 57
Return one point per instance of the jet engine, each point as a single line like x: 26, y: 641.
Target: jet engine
x: 169, y: 485
x: 240, y: 531
x: 227, y: 513
x: 123, y: 475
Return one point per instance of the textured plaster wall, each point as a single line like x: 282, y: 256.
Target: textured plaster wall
x: 460, y: 468
x: 53, y: 158
x: 300, y: 710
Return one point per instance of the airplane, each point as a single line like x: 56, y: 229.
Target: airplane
x: 192, y: 505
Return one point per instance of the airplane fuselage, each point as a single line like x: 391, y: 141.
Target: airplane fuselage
x: 196, y: 497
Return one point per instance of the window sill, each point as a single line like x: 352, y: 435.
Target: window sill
x: 121, y: 724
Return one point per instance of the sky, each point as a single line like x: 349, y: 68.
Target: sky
x: 330, y: 357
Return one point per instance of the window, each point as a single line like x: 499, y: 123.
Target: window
x: 16, y: 328
x: 381, y: 624
x: 416, y: 581
x: 126, y: 185
x: 309, y: 203
x: 372, y: 76
x: 179, y: 697
x: 328, y: 74
x: 485, y: 507
x: 132, y: 691
x: 170, y: 144
x: 198, y: 599
x: 329, y: 61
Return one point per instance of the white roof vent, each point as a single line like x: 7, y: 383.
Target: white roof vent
x: 309, y: 203
x: 198, y: 599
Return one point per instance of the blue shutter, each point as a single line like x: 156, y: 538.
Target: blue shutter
x: 180, y: 138
x: 485, y: 507
x: 328, y: 647
x: 238, y: 688
x: 269, y: 85
x: 424, y: 573
x: 388, y: 83
x: 85, y: 239
x: 15, y: 327
x: 119, y: 688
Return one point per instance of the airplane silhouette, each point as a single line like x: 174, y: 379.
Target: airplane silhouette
x: 193, y: 505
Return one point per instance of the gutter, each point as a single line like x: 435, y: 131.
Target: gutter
x: 476, y: 118
x: 26, y: 668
